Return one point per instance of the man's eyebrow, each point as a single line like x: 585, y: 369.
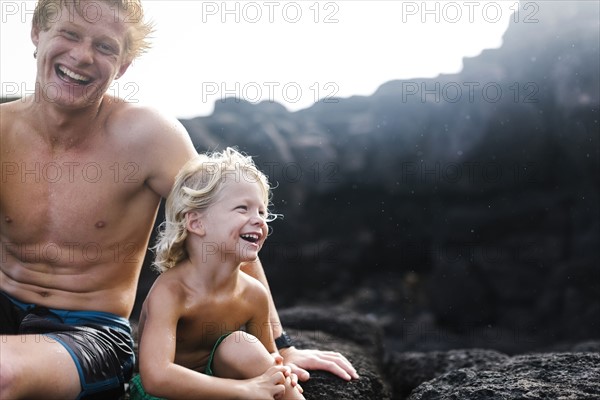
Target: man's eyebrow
x: 69, y: 24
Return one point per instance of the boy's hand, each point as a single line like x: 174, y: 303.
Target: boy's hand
x: 290, y: 374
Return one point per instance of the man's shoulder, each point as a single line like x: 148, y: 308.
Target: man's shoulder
x: 12, y: 114
x: 12, y: 109
x: 135, y: 115
x: 144, y: 122
x: 12, y: 103
x: 160, y: 140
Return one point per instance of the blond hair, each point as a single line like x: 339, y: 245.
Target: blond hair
x: 130, y: 12
x: 196, y: 187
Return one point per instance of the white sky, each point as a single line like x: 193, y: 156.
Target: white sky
x: 292, y: 52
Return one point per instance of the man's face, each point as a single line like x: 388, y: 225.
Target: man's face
x: 78, y: 56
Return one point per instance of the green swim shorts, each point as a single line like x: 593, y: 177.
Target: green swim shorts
x: 136, y: 389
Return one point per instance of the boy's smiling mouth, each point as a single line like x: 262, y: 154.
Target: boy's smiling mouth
x: 250, y: 237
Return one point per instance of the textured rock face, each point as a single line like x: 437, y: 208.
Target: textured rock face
x: 464, y: 374
x: 461, y: 224
x: 355, y: 336
x: 406, y: 371
x: 457, y: 225
x: 531, y: 376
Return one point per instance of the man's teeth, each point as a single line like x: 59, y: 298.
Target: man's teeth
x: 73, y: 75
x: 250, y: 237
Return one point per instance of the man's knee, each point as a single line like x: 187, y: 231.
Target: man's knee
x: 10, y: 378
x: 33, y: 369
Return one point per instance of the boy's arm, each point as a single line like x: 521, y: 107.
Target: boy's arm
x: 300, y: 360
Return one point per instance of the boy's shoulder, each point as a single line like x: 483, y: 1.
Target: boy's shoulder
x: 253, y: 287
x: 168, y: 287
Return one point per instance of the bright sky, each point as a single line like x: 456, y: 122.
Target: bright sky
x: 291, y: 52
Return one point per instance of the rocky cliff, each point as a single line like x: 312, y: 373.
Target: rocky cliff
x: 460, y: 211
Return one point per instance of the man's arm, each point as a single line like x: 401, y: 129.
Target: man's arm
x: 260, y: 320
x: 165, y: 144
x: 301, y: 360
x: 255, y: 270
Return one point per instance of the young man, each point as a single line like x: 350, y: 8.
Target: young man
x: 82, y: 177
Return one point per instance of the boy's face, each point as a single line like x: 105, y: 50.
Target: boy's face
x: 236, y: 224
x: 79, y: 56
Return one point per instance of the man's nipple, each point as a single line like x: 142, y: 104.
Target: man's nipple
x: 7, y: 219
x: 100, y: 224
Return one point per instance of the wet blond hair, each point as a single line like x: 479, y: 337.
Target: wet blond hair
x: 197, y: 186
x: 130, y: 12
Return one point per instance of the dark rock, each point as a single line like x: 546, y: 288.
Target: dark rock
x: 472, y: 223
x: 591, y: 346
x: 533, y: 376
x: 408, y: 370
x: 356, y: 337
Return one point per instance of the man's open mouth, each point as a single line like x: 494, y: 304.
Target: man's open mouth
x: 71, y: 77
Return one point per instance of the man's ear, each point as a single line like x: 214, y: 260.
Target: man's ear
x: 193, y: 223
x: 35, y: 34
x: 122, y: 70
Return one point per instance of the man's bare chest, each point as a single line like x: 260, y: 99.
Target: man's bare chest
x: 70, y: 193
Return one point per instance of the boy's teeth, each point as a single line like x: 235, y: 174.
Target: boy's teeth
x: 73, y: 75
x: 250, y: 237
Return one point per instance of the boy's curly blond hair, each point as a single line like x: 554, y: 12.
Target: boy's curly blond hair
x: 196, y: 187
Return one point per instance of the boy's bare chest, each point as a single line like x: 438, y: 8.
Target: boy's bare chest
x: 204, y: 324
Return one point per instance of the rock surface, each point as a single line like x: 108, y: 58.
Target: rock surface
x: 408, y: 370
x: 463, y: 374
x: 355, y: 336
x: 467, y: 222
x: 532, y: 376
x: 456, y: 374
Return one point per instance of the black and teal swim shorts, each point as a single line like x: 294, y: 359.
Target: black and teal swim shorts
x: 100, y: 343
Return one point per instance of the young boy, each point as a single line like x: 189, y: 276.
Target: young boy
x: 191, y: 342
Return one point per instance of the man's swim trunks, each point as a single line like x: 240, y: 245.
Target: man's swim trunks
x: 136, y: 389
x: 100, y: 343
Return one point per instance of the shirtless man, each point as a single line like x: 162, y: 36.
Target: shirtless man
x: 82, y: 177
